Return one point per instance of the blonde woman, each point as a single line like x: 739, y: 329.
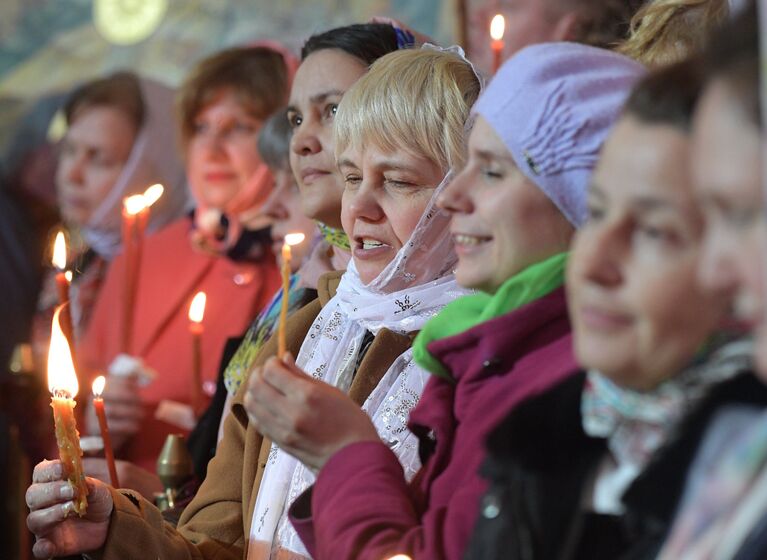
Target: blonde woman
x: 399, y: 131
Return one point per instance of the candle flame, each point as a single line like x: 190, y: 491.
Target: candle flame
x: 134, y: 204
x: 59, y: 259
x: 152, y: 194
x: 98, y: 385
x: 197, y: 307
x: 68, y: 276
x: 61, y: 369
x: 294, y: 238
x: 497, y: 27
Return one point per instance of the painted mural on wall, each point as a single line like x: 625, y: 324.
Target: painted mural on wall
x: 49, y: 46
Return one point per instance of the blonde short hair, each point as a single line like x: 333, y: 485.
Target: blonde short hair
x: 418, y: 100
x: 668, y: 31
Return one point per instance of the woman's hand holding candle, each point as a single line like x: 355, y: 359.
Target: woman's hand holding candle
x: 307, y: 418
x: 51, y: 500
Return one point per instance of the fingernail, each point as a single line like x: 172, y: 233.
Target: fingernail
x: 67, y: 491
x: 67, y: 508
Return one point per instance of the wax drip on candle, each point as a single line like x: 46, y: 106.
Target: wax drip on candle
x: 63, y: 385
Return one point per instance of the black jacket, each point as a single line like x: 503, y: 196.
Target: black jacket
x: 540, y: 460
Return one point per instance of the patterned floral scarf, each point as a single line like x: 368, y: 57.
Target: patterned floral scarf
x: 259, y: 332
x: 636, y: 423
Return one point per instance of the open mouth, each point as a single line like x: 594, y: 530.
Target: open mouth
x: 368, y: 244
x: 469, y: 240
x: 369, y: 248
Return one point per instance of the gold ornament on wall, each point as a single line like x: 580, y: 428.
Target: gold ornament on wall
x: 126, y: 22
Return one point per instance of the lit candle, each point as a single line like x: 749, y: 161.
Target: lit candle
x: 63, y: 280
x: 497, y: 28
x: 98, y: 404
x: 62, y: 383
x: 290, y: 239
x: 135, y: 218
x: 196, y: 314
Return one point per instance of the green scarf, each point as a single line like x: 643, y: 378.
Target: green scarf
x: 531, y: 284
x: 335, y: 237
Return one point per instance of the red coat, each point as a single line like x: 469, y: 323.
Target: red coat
x: 361, y: 508
x: 171, y: 273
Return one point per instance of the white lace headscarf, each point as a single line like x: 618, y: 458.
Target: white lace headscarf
x: 412, y: 288
x: 153, y: 159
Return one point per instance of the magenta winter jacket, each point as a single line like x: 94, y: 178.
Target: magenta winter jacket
x: 361, y: 507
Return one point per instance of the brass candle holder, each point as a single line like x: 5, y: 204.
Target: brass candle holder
x: 174, y: 467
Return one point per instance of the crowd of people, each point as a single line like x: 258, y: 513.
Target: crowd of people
x: 528, y: 319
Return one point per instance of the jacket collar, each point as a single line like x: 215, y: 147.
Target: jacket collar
x: 327, y: 286
x: 505, y: 339
x: 656, y: 491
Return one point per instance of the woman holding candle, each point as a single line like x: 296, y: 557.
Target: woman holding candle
x: 222, y: 105
x: 119, y: 140
x: 401, y: 266
x: 283, y: 207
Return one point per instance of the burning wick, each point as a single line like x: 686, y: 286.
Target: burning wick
x: 63, y: 280
x: 98, y: 403
x: 497, y: 28
x: 135, y: 217
x: 290, y: 239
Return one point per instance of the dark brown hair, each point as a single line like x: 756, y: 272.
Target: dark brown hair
x: 733, y: 57
x: 120, y: 90
x: 602, y: 23
x: 258, y: 76
x: 668, y: 95
x: 366, y: 41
